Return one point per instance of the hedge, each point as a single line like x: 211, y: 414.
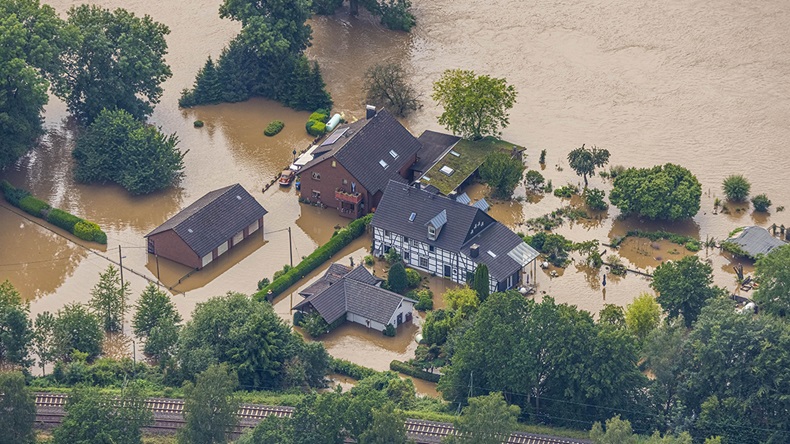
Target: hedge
x: 316, y: 258
x: 690, y: 243
x: 273, y: 128
x: 23, y: 200
x: 319, y: 116
x: 348, y: 368
x: 315, y: 128
x: 407, y: 369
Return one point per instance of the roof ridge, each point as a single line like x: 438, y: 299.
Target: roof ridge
x: 228, y: 188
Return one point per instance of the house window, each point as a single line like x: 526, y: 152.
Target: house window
x: 431, y: 232
x: 316, y: 195
x: 414, y: 243
x: 405, y: 239
x: 405, y: 255
x: 387, y: 249
x: 387, y: 233
x: 431, y: 248
x: 316, y: 176
x: 334, y: 164
x: 423, y: 262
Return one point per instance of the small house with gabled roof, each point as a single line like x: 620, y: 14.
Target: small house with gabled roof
x: 208, y: 228
x: 353, y: 294
x: 449, y: 238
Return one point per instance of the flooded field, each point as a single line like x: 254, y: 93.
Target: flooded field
x: 693, y: 83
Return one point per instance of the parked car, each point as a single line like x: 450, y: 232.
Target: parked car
x: 286, y: 178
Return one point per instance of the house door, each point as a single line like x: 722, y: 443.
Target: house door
x: 447, y: 271
x: 399, y: 319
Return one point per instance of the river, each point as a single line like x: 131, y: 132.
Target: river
x: 701, y: 84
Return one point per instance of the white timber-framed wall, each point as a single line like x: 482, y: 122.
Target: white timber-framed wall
x: 415, y: 252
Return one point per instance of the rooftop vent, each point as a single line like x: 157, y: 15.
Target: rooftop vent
x: 447, y: 170
x: 383, y: 164
x: 456, y: 154
x: 491, y: 253
x: 238, y: 197
x: 426, y: 178
x: 190, y: 230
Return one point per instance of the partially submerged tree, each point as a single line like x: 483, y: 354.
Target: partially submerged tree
x: 584, y: 161
x: 668, y: 192
x: 474, y: 106
x: 736, y: 188
x: 534, y: 181
x: 502, y: 172
x: 387, y: 86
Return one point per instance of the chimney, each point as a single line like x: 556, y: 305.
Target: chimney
x: 370, y: 112
x: 474, y: 250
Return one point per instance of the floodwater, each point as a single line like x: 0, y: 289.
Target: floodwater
x: 699, y: 83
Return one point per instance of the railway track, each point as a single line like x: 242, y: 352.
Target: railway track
x: 169, y: 417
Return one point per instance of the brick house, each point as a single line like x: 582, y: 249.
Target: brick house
x: 352, y: 166
x: 205, y: 230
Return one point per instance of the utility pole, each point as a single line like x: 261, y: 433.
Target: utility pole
x: 290, y: 247
x: 120, y: 262
x: 158, y: 281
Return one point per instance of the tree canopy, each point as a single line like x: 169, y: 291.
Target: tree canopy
x: 772, y: 271
x: 78, y: 329
x: 502, y: 172
x: 481, y: 282
x: 19, y: 410
x: 156, y: 321
x: 16, y: 330
x: 108, y: 299
x: 487, y: 419
x: 584, y: 161
x: 116, y: 147
x: 397, y: 280
x: 668, y: 192
x: 387, y: 86
x: 683, y: 287
x: 116, y: 61
x: 474, y: 106
x: 210, y: 407
x: 642, y: 315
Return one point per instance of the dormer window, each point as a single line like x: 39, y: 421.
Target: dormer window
x: 431, y: 232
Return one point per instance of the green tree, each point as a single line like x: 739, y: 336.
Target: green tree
x: 156, y: 321
x: 210, y: 407
x: 612, y: 314
x: 761, y: 203
x: 481, y: 283
x: 736, y: 188
x: 116, y: 61
x: 584, y: 161
x: 387, y: 86
x: 247, y: 335
x: 319, y: 419
x: 19, y: 410
x: 642, y: 315
x: 501, y: 172
x: 664, y: 356
x: 683, y: 287
x: 44, y: 339
x: 773, y: 274
x: 668, y: 192
x: 108, y: 299
x: 474, y: 106
x: 618, y: 431
x: 28, y: 57
x: 272, y: 430
x: 388, y: 427
x: 594, y: 198
x: 16, y: 332
x: 118, y: 148
x: 78, y: 329
x: 463, y: 301
x: 397, y: 280
x: 92, y: 417
x: 486, y: 420
x: 534, y: 180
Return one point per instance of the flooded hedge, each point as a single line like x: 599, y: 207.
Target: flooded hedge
x: 322, y: 254
x: 23, y: 200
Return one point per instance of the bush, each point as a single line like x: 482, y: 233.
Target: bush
x: 31, y: 205
x: 423, y: 297
x: 389, y: 330
x: 348, y: 368
x: 319, y: 116
x: 736, y: 188
x: 397, y: 279
x: 316, y: 258
x: 567, y: 191
x: 594, y: 198
x: 761, y: 203
x: 89, y: 231
x: 314, y: 324
x: 274, y: 127
x: 263, y: 282
x: 326, y: 7
x: 534, y: 180
x: 395, y: 15
x: 62, y: 219
x: 198, y: 124
x: 315, y: 128
x: 370, y: 260
x: 693, y: 246
x: 406, y: 369
x: 413, y: 278
x: 669, y: 192
x: 542, y: 160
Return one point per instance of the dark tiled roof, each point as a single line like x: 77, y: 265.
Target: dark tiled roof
x: 357, y: 293
x: 334, y: 273
x: 434, y: 145
x: 214, y: 218
x: 755, y: 241
x: 400, y: 201
x: 365, y: 143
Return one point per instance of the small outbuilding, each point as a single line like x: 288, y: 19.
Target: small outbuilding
x: 208, y: 228
x: 755, y: 241
x: 353, y: 294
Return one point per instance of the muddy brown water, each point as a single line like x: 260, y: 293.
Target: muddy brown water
x: 696, y: 83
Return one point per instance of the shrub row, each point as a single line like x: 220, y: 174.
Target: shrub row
x: 83, y: 229
x: 273, y: 128
x: 407, y: 369
x: 690, y: 243
x: 316, y: 258
x: 348, y: 368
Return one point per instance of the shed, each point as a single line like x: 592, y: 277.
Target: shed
x: 755, y: 241
x: 208, y: 228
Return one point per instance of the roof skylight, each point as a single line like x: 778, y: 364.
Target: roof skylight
x: 383, y: 164
x: 393, y: 154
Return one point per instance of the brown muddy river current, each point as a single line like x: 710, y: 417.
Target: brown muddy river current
x: 700, y: 83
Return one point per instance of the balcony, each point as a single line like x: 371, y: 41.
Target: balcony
x: 344, y: 196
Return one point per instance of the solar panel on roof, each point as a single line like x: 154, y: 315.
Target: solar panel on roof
x: 334, y: 136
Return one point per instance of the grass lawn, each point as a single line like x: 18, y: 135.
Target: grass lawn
x: 471, y: 156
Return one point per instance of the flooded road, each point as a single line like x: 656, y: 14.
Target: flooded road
x: 701, y: 84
